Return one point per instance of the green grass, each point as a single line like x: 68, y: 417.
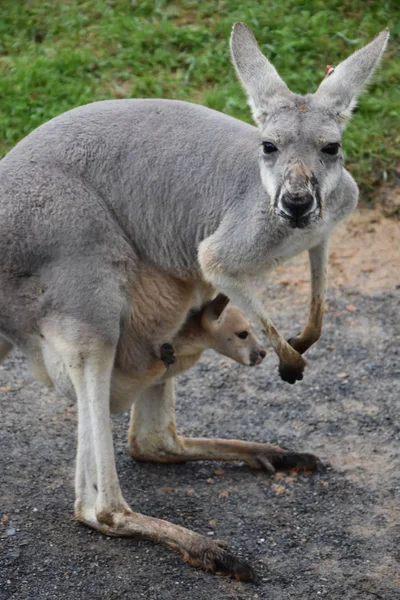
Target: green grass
x: 55, y: 55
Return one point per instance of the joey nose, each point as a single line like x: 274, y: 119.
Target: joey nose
x: 257, y: 356
x: 296, y: 205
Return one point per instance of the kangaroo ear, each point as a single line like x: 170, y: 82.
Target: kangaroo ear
x: 216, y: 307
x: 258, y: 77
x: 339, y: 91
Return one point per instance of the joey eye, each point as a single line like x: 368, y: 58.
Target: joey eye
x: 269, y: 148
x: 331, y: 149
x: 243, y: 335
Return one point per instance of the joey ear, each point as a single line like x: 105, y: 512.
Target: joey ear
x: 258, y: 77
x: 216, y: 307
x: 339, y: 91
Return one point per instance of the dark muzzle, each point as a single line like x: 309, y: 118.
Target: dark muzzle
x: 296, y: 206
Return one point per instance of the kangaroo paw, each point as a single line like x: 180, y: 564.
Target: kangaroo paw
x: 167, y: 354
x: 291, y: 369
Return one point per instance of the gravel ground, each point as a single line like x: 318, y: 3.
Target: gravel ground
x: 331, y: 535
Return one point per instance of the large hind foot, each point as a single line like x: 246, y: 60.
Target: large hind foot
x: 153, y: 438
x: 216, y: 557
x: 195, y: 549
x: 174, y: 448
x: 274, y: 458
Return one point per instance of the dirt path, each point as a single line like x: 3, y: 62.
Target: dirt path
x: 333, y: 535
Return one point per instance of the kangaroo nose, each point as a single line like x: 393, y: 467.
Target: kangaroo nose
x: 296, y: 205
x: 256, y: 357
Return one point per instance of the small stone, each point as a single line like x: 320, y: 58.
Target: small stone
x: 218, y: 471
x: 224, y: 494
x: 351, y: 308
x: 11, y: 531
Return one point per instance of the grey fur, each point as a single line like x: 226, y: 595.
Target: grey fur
x: 90, y: 195
x: 102, y: 188
x: 94, y: 197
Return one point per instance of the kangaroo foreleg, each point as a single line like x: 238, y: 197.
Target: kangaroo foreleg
x: 238, y: 288
x: 153, y: 438
x: 312, y: 331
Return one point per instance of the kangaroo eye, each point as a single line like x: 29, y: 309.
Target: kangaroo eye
x: 331, y: 149
x: 269, y: 148
x: 243, y: 335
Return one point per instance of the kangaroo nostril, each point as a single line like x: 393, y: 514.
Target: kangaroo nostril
x: 296, y: 205
x: 263, y: 354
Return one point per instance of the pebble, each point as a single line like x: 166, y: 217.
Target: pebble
x: 11, y: 531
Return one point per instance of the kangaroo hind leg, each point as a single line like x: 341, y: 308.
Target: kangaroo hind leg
x: 89, y: 362
x: 152, y: 437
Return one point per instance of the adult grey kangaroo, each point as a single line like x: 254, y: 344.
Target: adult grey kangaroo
x: 96, y: 195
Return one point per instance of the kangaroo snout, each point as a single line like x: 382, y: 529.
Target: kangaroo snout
x: 256, y: 357
x: 297, y: 206
x: 298, y: 196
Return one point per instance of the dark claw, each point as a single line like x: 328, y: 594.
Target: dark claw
x: 225, y: 563
x: 217, y: 558
x: 301, y: 346
x: 296, y: 460
x: 290, y: 340
x: 297, y: 345
x: 167, y: 354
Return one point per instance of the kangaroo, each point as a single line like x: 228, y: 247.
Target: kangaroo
x: 97, y: 195
x: 225, y: 330
x: 228, y: 332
